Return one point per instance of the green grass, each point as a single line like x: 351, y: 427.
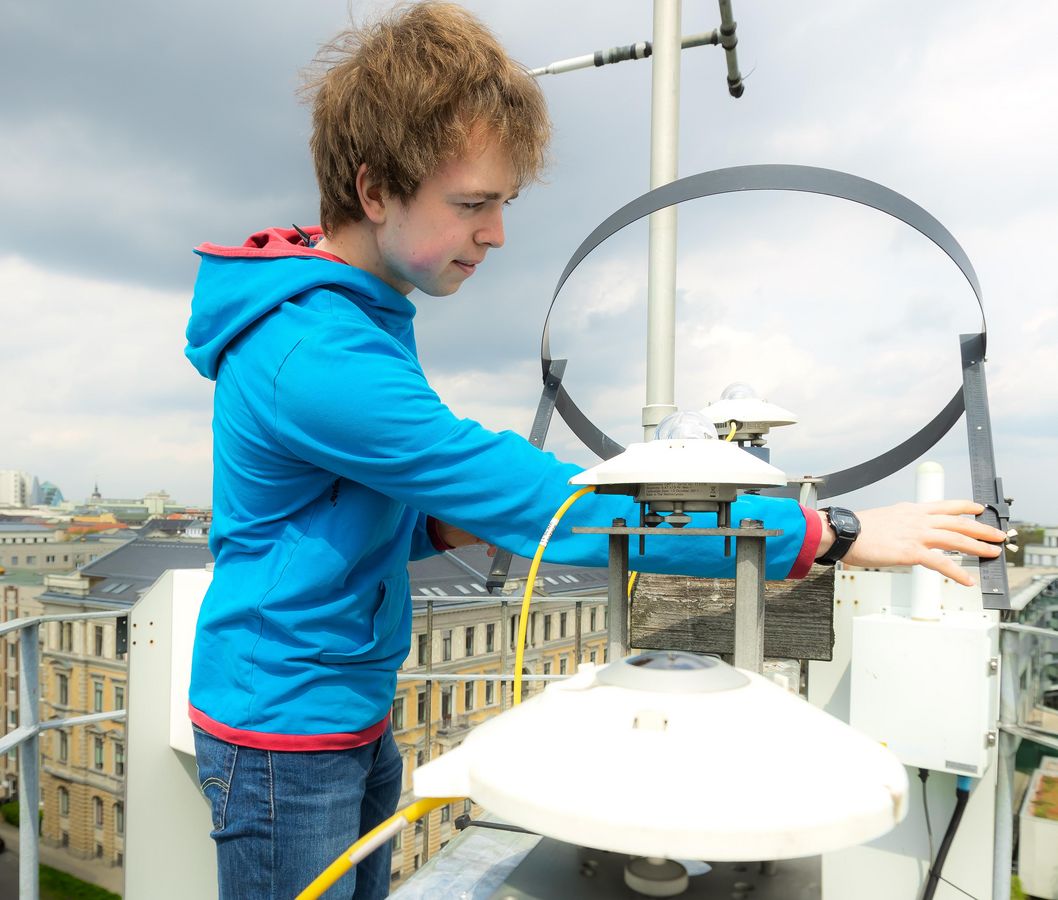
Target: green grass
x: 56, y: 885
x: 1016, y: 893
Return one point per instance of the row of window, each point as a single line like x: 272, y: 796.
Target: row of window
x: 15, y: 540
x: 62, y: 693
x: 97, y: 811
x: 95, y: 634
x: 397, y: 717
x: 552, y: 629
x: 98, y: 752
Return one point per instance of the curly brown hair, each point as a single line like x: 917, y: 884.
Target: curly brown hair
x: 404, y: 94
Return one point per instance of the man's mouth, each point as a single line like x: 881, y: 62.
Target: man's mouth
x: 467, y: 267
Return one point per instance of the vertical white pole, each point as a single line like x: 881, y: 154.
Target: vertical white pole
x: 925, y: 583
x: 664, y: 166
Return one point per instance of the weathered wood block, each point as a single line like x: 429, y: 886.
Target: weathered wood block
x: 670, y: 612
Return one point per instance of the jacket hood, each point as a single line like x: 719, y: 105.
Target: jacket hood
x: 236, y: 286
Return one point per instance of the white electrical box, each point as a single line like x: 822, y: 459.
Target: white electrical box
x: 929, y: 691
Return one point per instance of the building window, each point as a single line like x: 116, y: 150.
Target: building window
x: 424, y: 648
x: 99, y: 851
x: 119, y: 696
x: 468, y: 696
x: 31, y: 560
x: 466, y: 806
x: 562, y: 624
x: 97, y: 811
x: 63, y: 689
x: 64, y: 747
x: 490, y: 693
x: 547, y: 667
x: 397, y: 715
x: 119, y: 818
x: 420, y: 758
x: 470, y: 641
x: 49, y: 559
x: 490, y: 638
x: 514, y: 630
x: 119, y: 858
x: 447, y: 695
x: 592, y: 656
x: 420, y: 706
x: 547, y: 628
x: 66, y: 839
x: 532, y: 628
x: 98, y: 640
x: 14, y: 560
x: 119, y: 758
x: 562, y: 665
x: 98, y: 754
x: 591, y: 619
x: 446, y: 814
x: 64, y: 802
x: 394, y: 875
x: 446, y: 645
x: 97, y: 696
x: 66, y: 637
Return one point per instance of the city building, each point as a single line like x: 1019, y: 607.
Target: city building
x: 1043, y: 554
x: 14, y: 487
x: 31, y: 547
x: 84, y: 670
x: 459, y: 629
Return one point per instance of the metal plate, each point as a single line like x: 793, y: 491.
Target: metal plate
x: 554, y: 870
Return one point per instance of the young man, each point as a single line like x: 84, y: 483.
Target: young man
x: 335, y: 463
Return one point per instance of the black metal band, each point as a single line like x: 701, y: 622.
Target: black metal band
x: 806, y: 179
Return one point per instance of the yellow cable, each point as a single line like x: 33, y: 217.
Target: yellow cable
x: 523, y: 625
x: 632, y: 583
x: 731, y: 433
x: 371, y: 841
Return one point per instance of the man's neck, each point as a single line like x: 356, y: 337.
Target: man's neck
x: 355, y: 244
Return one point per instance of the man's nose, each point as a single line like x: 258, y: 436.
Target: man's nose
x: 491, y: 234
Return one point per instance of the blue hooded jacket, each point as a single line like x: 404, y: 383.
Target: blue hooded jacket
x: 331, y: 453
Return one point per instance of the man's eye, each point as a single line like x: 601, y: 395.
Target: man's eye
x: 475, y: 205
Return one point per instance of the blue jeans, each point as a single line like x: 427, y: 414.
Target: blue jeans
x: 281, y: 817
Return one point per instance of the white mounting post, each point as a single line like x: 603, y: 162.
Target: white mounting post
x: 664, y: 167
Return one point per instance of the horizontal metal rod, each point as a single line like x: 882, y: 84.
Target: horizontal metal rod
x: 24, y: 732
x: 692, y: 532
x: 1045, y: 738
x: 1046, y: 633
x: 19, y: 624
x: 508, y: 676
x: 638, y: 50
x: 510, y: 598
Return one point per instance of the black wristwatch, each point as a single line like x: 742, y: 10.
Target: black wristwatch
x: 846, y: 528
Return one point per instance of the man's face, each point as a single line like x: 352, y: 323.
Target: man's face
x: 435, y: 240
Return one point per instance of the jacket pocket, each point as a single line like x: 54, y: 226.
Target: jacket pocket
x: 387, y: 619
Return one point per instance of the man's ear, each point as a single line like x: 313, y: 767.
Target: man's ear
x: 372, y: 195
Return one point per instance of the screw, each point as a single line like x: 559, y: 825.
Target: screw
x: 990, y: 738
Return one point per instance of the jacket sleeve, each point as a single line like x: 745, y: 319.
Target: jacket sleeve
x: 425, y: 539
x: 399, y: 439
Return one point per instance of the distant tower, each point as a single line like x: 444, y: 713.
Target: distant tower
x: 95, y: 493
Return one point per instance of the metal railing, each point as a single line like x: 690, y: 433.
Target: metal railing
x: 504, y: 650
x: 26, y: 738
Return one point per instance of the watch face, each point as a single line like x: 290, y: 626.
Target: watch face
x: 844, y: 522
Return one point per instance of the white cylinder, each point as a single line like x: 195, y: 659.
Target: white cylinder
x: 925, y: 583
x: 664, y: 167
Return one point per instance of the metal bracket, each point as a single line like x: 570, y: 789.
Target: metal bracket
x: 501, y: 562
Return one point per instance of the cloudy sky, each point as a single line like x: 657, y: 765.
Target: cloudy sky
x: 130, y: 132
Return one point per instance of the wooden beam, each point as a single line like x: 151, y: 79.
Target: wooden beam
x: 672, y: 612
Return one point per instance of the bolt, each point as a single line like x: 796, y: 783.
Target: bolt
x: 990, y: 738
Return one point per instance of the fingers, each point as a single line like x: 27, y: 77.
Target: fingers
x: 954, y: 507
x: 947, y: 567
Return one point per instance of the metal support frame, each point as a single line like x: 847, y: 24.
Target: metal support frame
x: 617, y: 605
x: 749, y: 599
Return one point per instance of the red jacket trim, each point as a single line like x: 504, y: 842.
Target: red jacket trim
x: 810, y: 545
x: 262, y: 740
x: 433, y: 532
x: 273, y: 243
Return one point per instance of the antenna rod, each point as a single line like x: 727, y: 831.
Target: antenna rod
x: 638, y: 50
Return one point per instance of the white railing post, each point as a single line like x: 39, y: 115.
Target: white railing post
x: 29, y: 764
